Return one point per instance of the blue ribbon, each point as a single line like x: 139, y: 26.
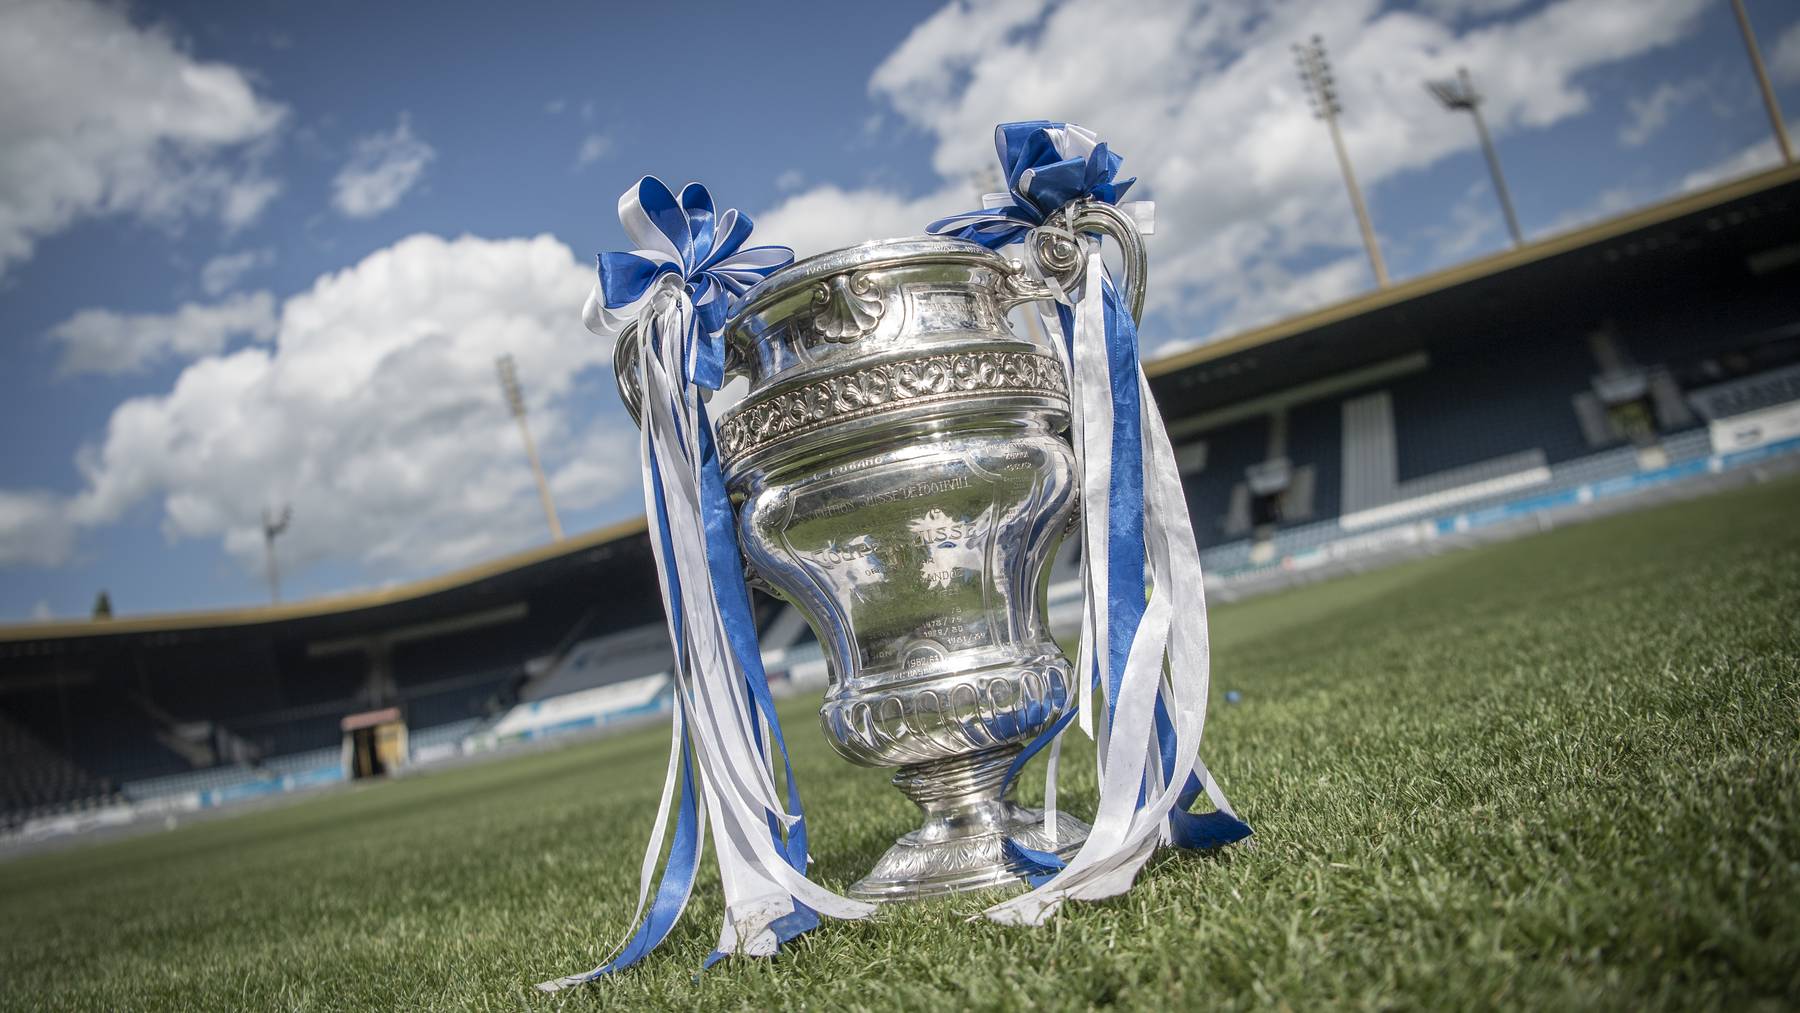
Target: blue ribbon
x: 1049, y: 165
x: 684, y: 236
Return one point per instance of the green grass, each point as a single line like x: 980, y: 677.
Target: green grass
x: 1553, y: 773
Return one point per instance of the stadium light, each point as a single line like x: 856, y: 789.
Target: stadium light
x: 274, y: 524
x: 1762, y: 80
x: 1458, y: 94
x: 1315, y: 73
x: 515, y: 401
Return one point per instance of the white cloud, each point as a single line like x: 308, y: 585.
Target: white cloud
x: 1473, y: 220
x: 376, y: 415
x: 382, y: 168
x: 246, y: 198
x: 1462, y: 10
x: 1202, y: 102
x: 103, y: 341
x: 1605, y: 204
x: 221, y: 274
x: 1784, y: 58
x: 1651, y: 113
x: 599, y: 465
x: 594, y: 147
x: 103, y: 117
x: 790, y: 180
x: 1746, y: 160
x: 35, y: 529
x: 827, y: 217
x: 41, y: 612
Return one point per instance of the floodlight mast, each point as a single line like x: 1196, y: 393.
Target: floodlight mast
x: 515, y: 402
x: 1770, y: 103
x: 274, y: 523
x: 1315, y: 73
x: 1459, y: 95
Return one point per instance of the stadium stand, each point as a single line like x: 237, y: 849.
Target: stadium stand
x: 35, y: 778
x: 1648, y: 349
x: 1576, y: 363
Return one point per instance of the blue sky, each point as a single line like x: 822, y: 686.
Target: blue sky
x: 266, y: 252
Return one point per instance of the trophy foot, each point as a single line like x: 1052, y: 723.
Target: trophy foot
x: 967, y: 822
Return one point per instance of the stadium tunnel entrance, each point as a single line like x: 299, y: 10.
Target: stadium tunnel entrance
x: 374, y: 743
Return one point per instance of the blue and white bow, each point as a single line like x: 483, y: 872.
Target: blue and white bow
x: 684, y: 238
x: 678, y: 288
x: 1144, y: 675
x: 1048, y: 166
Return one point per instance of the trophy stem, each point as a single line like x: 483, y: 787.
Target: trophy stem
x: 967, y: 821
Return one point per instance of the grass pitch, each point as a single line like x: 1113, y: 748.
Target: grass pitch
x: 1554, y: 773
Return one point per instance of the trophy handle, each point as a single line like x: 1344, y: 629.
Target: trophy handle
x: 1055, y: 253
x: 625, y: 355
x: 625, y: 364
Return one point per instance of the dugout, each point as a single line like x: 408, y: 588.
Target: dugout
x: 374, y: 743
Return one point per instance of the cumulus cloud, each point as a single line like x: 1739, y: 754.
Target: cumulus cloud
x: 594, y: 147
x: 1754, y: 157
x: 245, y: 199
x: 382, y: 168
x: 221, y: 274
x: 35, y: 529
x: 1460, y: 10
x: 1784, y: 58
x: 376, y: 415
x: 1202, y: 102
x: 101, y: 116
x: 1651, y: 113
x: 827, y: 217
x: 102, y: 341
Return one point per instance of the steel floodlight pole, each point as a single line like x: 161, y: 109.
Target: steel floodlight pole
x: 274, y: 524
x: 1762, y: 81
x: 1315, y: 72
x: 515, y: 402
x: 1460, y: 95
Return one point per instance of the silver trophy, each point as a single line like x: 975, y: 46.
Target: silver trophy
x: 903, y: 480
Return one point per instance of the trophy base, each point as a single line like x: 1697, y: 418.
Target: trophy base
x: 967, y: 822
x: 916, y: 867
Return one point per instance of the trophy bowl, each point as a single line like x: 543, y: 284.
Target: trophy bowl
x: 904, y: 486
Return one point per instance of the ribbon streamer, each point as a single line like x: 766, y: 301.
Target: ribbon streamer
x: 678, y: 288
x: 1144, y: 700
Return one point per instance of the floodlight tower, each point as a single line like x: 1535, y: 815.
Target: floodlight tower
x: 515, y: 401
x: 274, y: 523
x: 1458, y: 94
x: 1762, y: 81
x: 1315, y: 73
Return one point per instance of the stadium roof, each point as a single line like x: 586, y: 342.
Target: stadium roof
x: 399, y: 603
x: 1721, y: 224
x: 1337, y: 336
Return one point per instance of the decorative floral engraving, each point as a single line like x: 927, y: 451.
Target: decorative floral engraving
x: 846, y: 307
x: 769, y: 420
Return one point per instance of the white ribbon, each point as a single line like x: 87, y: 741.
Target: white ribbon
x: 733, y: 769
x: 1167, y: 659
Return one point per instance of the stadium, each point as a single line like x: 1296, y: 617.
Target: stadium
x: 1610, y: 370
x: 1650, y: 354
x: 1502, y: 559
